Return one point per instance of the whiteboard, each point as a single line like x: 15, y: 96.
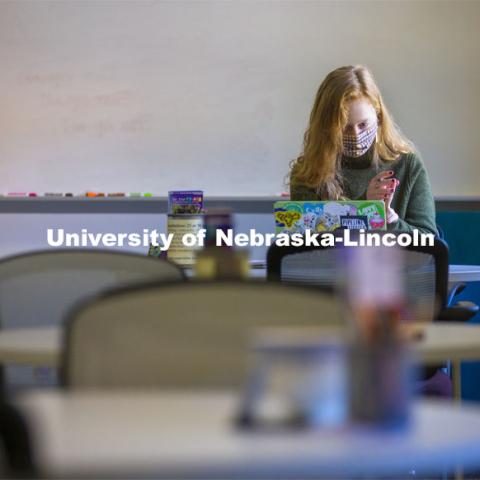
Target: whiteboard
x: 215, y: 95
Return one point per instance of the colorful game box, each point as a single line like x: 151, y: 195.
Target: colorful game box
x: 185, y: 202
x: 326, y: 216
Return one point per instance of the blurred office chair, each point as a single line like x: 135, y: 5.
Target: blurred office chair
x: 16, y: 449
x: 427, y: 294
x: 188, y: 335
x: 38, y: 288
x: 426, y: 271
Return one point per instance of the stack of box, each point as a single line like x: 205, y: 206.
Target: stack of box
x: 185, y: 215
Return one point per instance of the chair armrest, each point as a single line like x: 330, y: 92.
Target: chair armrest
x: 454, y: 291
x: 460, y: 312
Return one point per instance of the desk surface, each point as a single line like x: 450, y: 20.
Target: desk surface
x: 456, y: 274
x: 192, y: 436
x: 464, y: 273
x: 39, y: 346
x: 449, y: 341
x: 42, y: 346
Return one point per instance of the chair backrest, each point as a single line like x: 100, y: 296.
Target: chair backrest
x: 39, y: 288
x: 426, y: 272
x: 194, y: 334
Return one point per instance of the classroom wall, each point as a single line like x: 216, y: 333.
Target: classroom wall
x: 155, y: 95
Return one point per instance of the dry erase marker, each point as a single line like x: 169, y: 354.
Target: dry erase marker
x: 69, y: 194
x: 32, y: 194
x: 90, y: 194
x: 116, y: 194
x: 16, y: 194
x: 135, y: 194
x: 53, y: 194
x: 148, y: 194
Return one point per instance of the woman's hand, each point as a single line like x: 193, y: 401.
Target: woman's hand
x: 382, y: 187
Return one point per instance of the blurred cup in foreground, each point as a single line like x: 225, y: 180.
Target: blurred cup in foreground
x: 296, y: 379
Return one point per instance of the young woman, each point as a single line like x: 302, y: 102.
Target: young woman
x: 353, y: 150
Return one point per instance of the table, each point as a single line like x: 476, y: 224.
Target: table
x: 42, y: 346
x: 456, y: 274
x: 39, y: 346
x: 444, y: 341
x: 449, y: 341
x: 464, y: 273
x: 191, y: 435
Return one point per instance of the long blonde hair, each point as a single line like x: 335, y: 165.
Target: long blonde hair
x: 319, y: 166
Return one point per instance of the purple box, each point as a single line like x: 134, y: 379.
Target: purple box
x: 185, y: 202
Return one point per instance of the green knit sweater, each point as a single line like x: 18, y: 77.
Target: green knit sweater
x: 412, y: 200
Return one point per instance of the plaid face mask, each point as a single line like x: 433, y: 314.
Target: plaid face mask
x: 354, y: 146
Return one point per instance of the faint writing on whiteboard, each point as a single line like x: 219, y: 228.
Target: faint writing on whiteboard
x: 104, y: 127
x: 120, y: 99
